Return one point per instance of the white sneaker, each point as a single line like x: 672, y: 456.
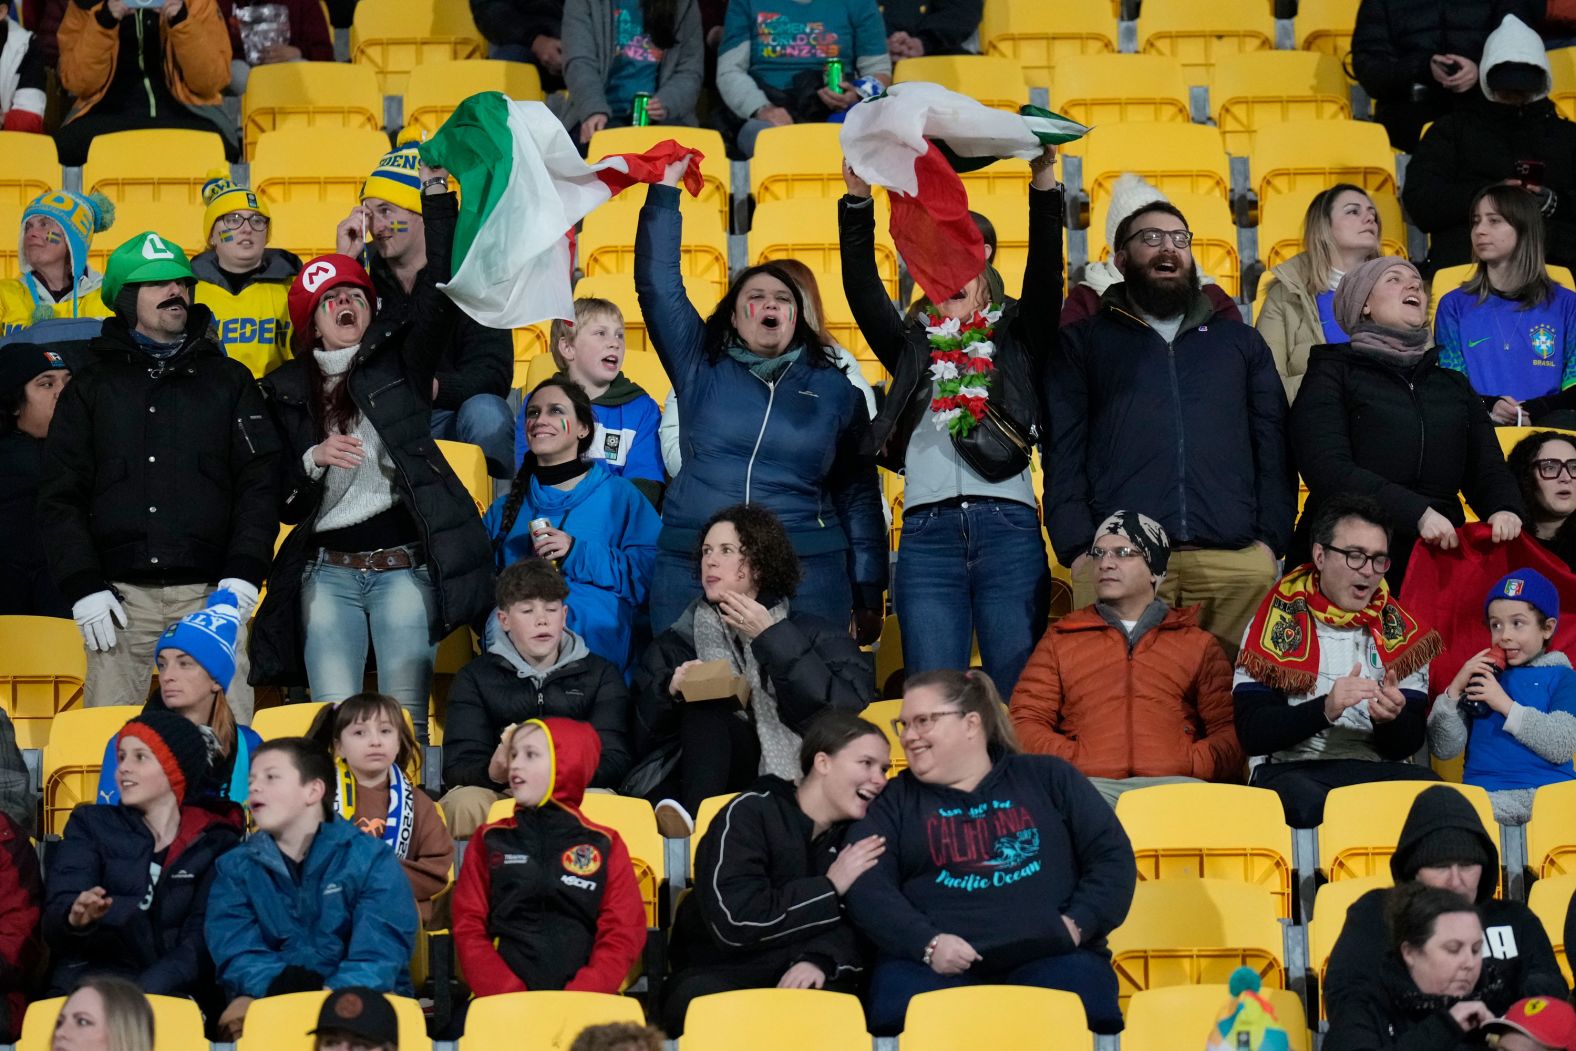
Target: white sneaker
x: 673, y: 821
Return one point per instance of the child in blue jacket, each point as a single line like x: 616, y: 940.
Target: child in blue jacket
x: 1517, y: 725
x: 310, y: 901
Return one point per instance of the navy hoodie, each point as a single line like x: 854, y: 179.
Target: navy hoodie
x: 997, y: 867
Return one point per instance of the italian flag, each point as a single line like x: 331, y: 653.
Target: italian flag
x: 914, y: 139
x: 523, y: 187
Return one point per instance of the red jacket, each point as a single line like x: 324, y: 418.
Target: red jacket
x: 1159, y: 708
x: 546, y: 899
x: 21, y: 901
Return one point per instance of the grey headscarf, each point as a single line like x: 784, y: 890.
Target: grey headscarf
x: 1403, y: 346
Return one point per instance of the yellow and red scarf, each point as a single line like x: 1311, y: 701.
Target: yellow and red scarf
x: 1282, y: 647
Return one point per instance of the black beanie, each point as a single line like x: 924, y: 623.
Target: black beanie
x: 1447, y: 846
x: 178, y: 745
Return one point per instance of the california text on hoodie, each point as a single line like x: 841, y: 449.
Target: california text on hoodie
x: 1518, y: 960
x: 546, y: 898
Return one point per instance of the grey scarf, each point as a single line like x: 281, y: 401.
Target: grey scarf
x: 766, y: 369
x: 716, y: 641
x: 1398, y: 346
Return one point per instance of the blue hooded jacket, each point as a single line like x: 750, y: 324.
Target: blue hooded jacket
x: 608, y: 568
x: 351, y: 918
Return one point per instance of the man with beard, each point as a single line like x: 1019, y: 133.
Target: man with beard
x: 1155, y: 403
x: 158, y: 483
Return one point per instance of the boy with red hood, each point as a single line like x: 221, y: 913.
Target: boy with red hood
x: 126, y: 890
x: 546, y: 899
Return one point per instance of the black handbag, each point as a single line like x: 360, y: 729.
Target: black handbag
x: 997, y: 449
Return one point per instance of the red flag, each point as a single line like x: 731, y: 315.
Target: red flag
x: 648, y: 167
x: 1445, y: 589
x: 938, y: 241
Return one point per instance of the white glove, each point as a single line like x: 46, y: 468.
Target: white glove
x: 245, y: 594
x: 95, y: 615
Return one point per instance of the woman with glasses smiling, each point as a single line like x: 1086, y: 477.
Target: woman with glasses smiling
x: 999, y: 868
x: 1544, y: 465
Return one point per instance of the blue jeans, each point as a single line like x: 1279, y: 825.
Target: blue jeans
x: 824, y: 589
x: 340, y: 606
x: 484, y: 420
x: 894, y: 983
x: 975, y: 569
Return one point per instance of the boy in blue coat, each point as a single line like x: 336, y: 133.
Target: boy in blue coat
x: 1512, y: 706
x: 310, y: 901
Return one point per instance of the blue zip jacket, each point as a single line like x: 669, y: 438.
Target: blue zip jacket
x: 792, y: 446
x: 608, y: 568
x: 1496, y: 760
x: 351, y: 918
x: 224, y: 784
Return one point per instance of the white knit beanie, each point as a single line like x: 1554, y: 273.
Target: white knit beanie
x: 1130, y: 194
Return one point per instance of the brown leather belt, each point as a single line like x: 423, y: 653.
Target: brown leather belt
x: 380, y: 561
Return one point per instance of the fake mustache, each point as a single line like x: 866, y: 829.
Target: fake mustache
x: 172, y: 302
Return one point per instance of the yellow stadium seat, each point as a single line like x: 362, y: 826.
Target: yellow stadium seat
x: 281, y: 1023
x: 1256, y: 88
x: 152, y: 167
x: 175, y: 221
x: 1562, y: 63
x: 1326, y: 26
x: 709, y: 808
x: 1362, y: 823
x: 1010, y: 217
x: 1104, y: 89
x: 395, y: 37
x: 1329, y: 916
x: 776, y: 1020
x: 316, y: 164
x: 307, y: 227
x: 1551, y: 833
x: 1510, y: 437
x: 435, y: 89
x: 619, y: 289
x: 994, y: 81
x: 1312, y: 154
x: 1199, y: 35
x: 1196, y: 932
x: 883, y: 712
x: 1177, y: 832
x: 889, y: 658
x: 529, y: 342
x: 538, y: 369
x: 647, y: 373
x: 607, y: 242
x: 10, y: 249
x: 1177, y: 158
x: 715, y: 169
x: 469, y: 463
x: 805, y: 229
x: 75, y: 755
x: 798, y: 160
x: 838, y: 318
x: 286, y: 720
x: 1015, y: 1016
x: 1549, y: 901
x: 42, y: 668
x: 309, y: 94
x: 176, y: 1023
x: 1157, y: 1018
x: 1280, y: 225
x: 543, y: 1021
x: 1040, y: 36
x: 31, y: 168
x: 1214, y: 236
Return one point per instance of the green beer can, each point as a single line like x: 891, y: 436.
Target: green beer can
x: 641, y: 117
x: 834, y: 75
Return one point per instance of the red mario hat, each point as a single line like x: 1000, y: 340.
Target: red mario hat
x: 315, y: 280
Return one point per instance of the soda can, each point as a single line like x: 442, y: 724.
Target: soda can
x: 834, y: 75
x: 538, y: 526
x: 639, y: 115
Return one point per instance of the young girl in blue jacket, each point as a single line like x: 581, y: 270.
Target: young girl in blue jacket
x: 1513, y: 711
x: 600, y: 530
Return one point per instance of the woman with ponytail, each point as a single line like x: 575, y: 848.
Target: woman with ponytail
x: 999, y: 868
x: 600, y: 531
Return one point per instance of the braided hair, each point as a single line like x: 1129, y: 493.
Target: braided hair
x: 522, y: 479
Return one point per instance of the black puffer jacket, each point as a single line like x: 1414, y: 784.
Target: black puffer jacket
x: 1410, y: 438
x: 160, y: 947
x: 1191, y: 432
x: 1024, y: 336
x: 26, y: 588
x: 391, y: 385
x: 159, y: 472
x: 1520, y: 960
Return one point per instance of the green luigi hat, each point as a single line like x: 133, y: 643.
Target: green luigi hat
x: 145, y: 258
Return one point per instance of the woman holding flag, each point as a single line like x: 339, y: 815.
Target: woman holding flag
x: 766, y: 418
x: 972, y: 559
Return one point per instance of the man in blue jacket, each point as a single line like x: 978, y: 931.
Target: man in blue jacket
x: 309, y: 902
x: 1155, y: 404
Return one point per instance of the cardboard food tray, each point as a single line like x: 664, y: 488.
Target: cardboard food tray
x: 715, y: 681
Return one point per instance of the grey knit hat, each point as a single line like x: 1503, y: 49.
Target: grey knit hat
x: 1358, y: 285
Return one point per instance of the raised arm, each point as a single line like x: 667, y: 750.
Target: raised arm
x: 434, y: 317
x: 1040, y: 308
x: 676, y: 330
x: 878, y: 320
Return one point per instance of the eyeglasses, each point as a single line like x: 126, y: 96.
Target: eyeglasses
x: 921, y: 724
x: 1121, y: 554
x: 1153, y: 237
x: 235, y: 220
x: 1549, y: 470
x: 1356, y: 559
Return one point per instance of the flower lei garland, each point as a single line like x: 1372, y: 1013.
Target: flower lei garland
x: 961, y: 364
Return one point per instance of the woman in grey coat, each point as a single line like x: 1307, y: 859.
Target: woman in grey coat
x: 614, y: 49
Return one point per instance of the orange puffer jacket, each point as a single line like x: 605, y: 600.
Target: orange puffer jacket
x: 1160, y: 708
x: 196, y: 55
